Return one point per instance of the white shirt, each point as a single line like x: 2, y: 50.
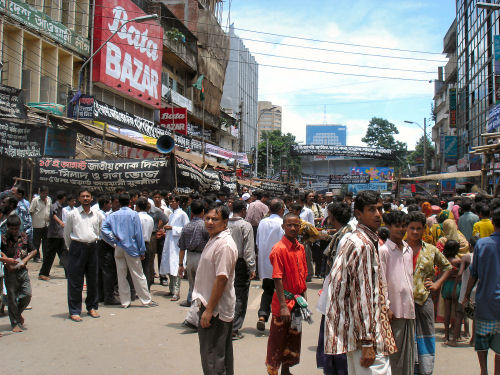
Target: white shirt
x: 147, y: 224
x: 269, y: 232
x: 40, y: 212
x: 81, y: 226
x: 217, y: 259
x: 65, y: 211
x: 307, y: 215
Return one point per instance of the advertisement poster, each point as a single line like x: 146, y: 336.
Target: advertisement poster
x: 377, y: 186
x: 131, y: 62
x: 450, y: 148
x: 377, y: 174
x: 448, y: 186
x: 174, y: 119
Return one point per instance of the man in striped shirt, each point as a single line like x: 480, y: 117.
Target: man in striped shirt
x: 357, y: 321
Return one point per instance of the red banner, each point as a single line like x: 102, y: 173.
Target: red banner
x: 131, y: 62
x: 174, y: 119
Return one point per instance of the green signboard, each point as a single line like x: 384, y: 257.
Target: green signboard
x: 39, y: 21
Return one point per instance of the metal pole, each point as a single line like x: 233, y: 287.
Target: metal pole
x: 425, y: 147
x: 203, y: 129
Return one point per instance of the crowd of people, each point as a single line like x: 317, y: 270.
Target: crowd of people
x: 388, y: 267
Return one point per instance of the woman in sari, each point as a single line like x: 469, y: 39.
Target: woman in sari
x: 451, y: 232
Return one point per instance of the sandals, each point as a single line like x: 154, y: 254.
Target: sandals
x: 76, y: 318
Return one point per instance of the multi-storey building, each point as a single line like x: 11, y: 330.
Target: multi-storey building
x: 43, y: 44
x: 445, y: 103
x: 240, y: 93
x: 270, y: 117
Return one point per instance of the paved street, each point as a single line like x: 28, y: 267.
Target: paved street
x: 140, y: 340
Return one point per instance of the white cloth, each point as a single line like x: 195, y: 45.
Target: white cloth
x: 381, y: 366
x: 170, y: 256
x: 147, y: 224
x: 65, y: 211
x: 82, y: 227
x: 307, y: 215
x: 126, y: 262
x: 40, y: 212
x: 217, y: 259
x: 166, y: 210
x: 465, y: 281
x: 269, y: 232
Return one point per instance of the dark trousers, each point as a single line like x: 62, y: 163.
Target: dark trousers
x: 148, y: 265
x: 159, y: 252
x: 317, y: 257
x: 18, y: 288
x: 266, y: 299
x: 82, y: 262
x: 216, y: 347
x: 54, y: 246
x: 107, y: 280
x: 40, y: 237
x: 241, y: 288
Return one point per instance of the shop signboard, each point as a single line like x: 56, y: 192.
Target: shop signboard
x: 377, y: 186
x: 131, y: 62
x: 450, y: 148
x: 349, y: 179
x: 453, y: 108
x: 40, y: 22
x: 85, y: 105
x: 174, y: 119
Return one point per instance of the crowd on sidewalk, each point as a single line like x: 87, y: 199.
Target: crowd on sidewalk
x: 390, y: 269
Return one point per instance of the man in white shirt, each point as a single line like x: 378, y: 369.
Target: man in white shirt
x: 81, y: 233
x: 71, y: 201
x: 306, y: 213
x: 269, y: 232
x: 40, y: 215
x: 147, y: 224
x: 214, y: 294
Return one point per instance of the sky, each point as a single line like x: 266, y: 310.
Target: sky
x: 366, y: 28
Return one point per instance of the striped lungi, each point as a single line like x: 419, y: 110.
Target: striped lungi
x: 426, y: 339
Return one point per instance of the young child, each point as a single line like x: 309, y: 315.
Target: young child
x: 484, y: 227
x: 451, y: 287
x: 16, y: 246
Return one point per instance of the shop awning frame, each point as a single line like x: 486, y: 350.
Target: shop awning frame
x: 442, y: 176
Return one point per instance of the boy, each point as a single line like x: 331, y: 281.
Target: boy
x: 484, y: 227
x: 289, y: 273
x: 396, y: 260
x: 16, y: 245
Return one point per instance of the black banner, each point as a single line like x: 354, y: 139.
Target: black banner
x: 190, y: 175
x: 21, y: 140
x: 349, y: 179
x: 105, y: 175
x: 12, y: 102
x: 275, y: 188
x: 188, y: 143
x: 349, y: 151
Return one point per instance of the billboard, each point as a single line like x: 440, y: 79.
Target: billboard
x: 377, y: 174
x: 326, y: 134
x: 377, y: 186
x: 350, y: 151
x: 448, y: 186
x: 131, y: 62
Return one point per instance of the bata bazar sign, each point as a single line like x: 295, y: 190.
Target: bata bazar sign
x: 174, y: 119
x: 350, y: 151
x: 131, y: 62
x: 100, y: 175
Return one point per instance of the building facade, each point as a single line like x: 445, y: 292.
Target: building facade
x: 476, y: 29
x: 445, y: 104
x: 326, y: 135
x: 269, y: 118
x: 240, y: 94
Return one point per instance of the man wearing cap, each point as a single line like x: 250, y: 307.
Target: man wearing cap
x: 245, y: 197
x: 328, y: 200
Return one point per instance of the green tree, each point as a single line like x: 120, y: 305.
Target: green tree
x: 417, y: 156
x: 380, y: 133
x: 279, y: 154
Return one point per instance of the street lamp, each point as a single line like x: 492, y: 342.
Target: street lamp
x: 257, y: 142
x: 148, y: 17
x: 424, y: 128
x: 488, y: 6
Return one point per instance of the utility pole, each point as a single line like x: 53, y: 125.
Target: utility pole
x: 267, y: 155
x: 425, y: 146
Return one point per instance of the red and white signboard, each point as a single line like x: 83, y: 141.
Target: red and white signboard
x: 131, y: 62
x: 174, y: 119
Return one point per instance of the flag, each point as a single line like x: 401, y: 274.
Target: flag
x: 199, y: 86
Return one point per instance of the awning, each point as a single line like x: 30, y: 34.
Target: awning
x: 442, y: 176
